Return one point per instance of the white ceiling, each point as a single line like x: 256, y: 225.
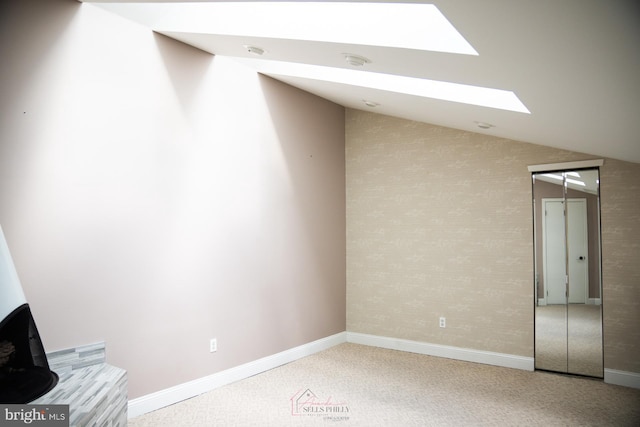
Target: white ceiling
x: 575, y: 64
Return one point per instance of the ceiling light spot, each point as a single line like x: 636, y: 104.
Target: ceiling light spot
x: 483, y: 125
x: 371, y: 104
x: 254, y: 49
x: 356, y: 60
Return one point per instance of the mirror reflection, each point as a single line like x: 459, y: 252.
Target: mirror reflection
x: 568, y: 313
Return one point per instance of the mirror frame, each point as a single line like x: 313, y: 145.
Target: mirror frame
x: 593, y: 367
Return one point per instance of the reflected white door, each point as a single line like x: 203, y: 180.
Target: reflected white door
x: 556, y: 258
x: 554, y: 264
x: 578, y: 252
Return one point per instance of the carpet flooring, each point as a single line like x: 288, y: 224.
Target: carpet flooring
x: 354, y: 385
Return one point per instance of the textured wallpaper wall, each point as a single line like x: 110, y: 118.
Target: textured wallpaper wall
x: 620, y: 199
x: 439, y: 223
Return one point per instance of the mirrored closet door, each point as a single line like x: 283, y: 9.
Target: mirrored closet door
x: 568, y: 309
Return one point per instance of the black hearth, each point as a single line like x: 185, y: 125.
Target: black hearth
x: 24, y: 370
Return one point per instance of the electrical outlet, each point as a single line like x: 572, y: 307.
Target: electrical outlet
x: 213, y: 345
x: 443, y: 322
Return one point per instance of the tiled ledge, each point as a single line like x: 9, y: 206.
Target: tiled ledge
x: 65, y: 361
x: 95, y: 391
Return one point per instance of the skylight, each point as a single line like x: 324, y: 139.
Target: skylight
x: 569, y: 180
x: 399, y: 25
x: 415, y: 26
x: 454, y: 92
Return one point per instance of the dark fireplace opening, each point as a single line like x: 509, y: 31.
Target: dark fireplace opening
x: 24, y: 370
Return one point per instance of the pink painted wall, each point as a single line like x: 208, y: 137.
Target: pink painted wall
x: 155, y: 196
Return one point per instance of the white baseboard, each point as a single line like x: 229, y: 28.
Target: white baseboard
x: 169, y: 396
x: 593, y: 301
x: 468, y: 355
x: 162, y: 398
x: 623, y: 378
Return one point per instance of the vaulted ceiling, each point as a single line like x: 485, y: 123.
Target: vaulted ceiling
x: 574, y: 64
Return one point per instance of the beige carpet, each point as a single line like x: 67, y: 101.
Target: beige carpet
x: 355, y: 385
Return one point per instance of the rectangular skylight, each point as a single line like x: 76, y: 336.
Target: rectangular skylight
x: 400, y: 25
x: 454, y: 92
x: 569, y: 180
x: 416, y: 26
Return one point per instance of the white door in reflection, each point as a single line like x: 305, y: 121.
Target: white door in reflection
x: 578, y: 251
x: 555, y: 273
x: 557, y: 258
